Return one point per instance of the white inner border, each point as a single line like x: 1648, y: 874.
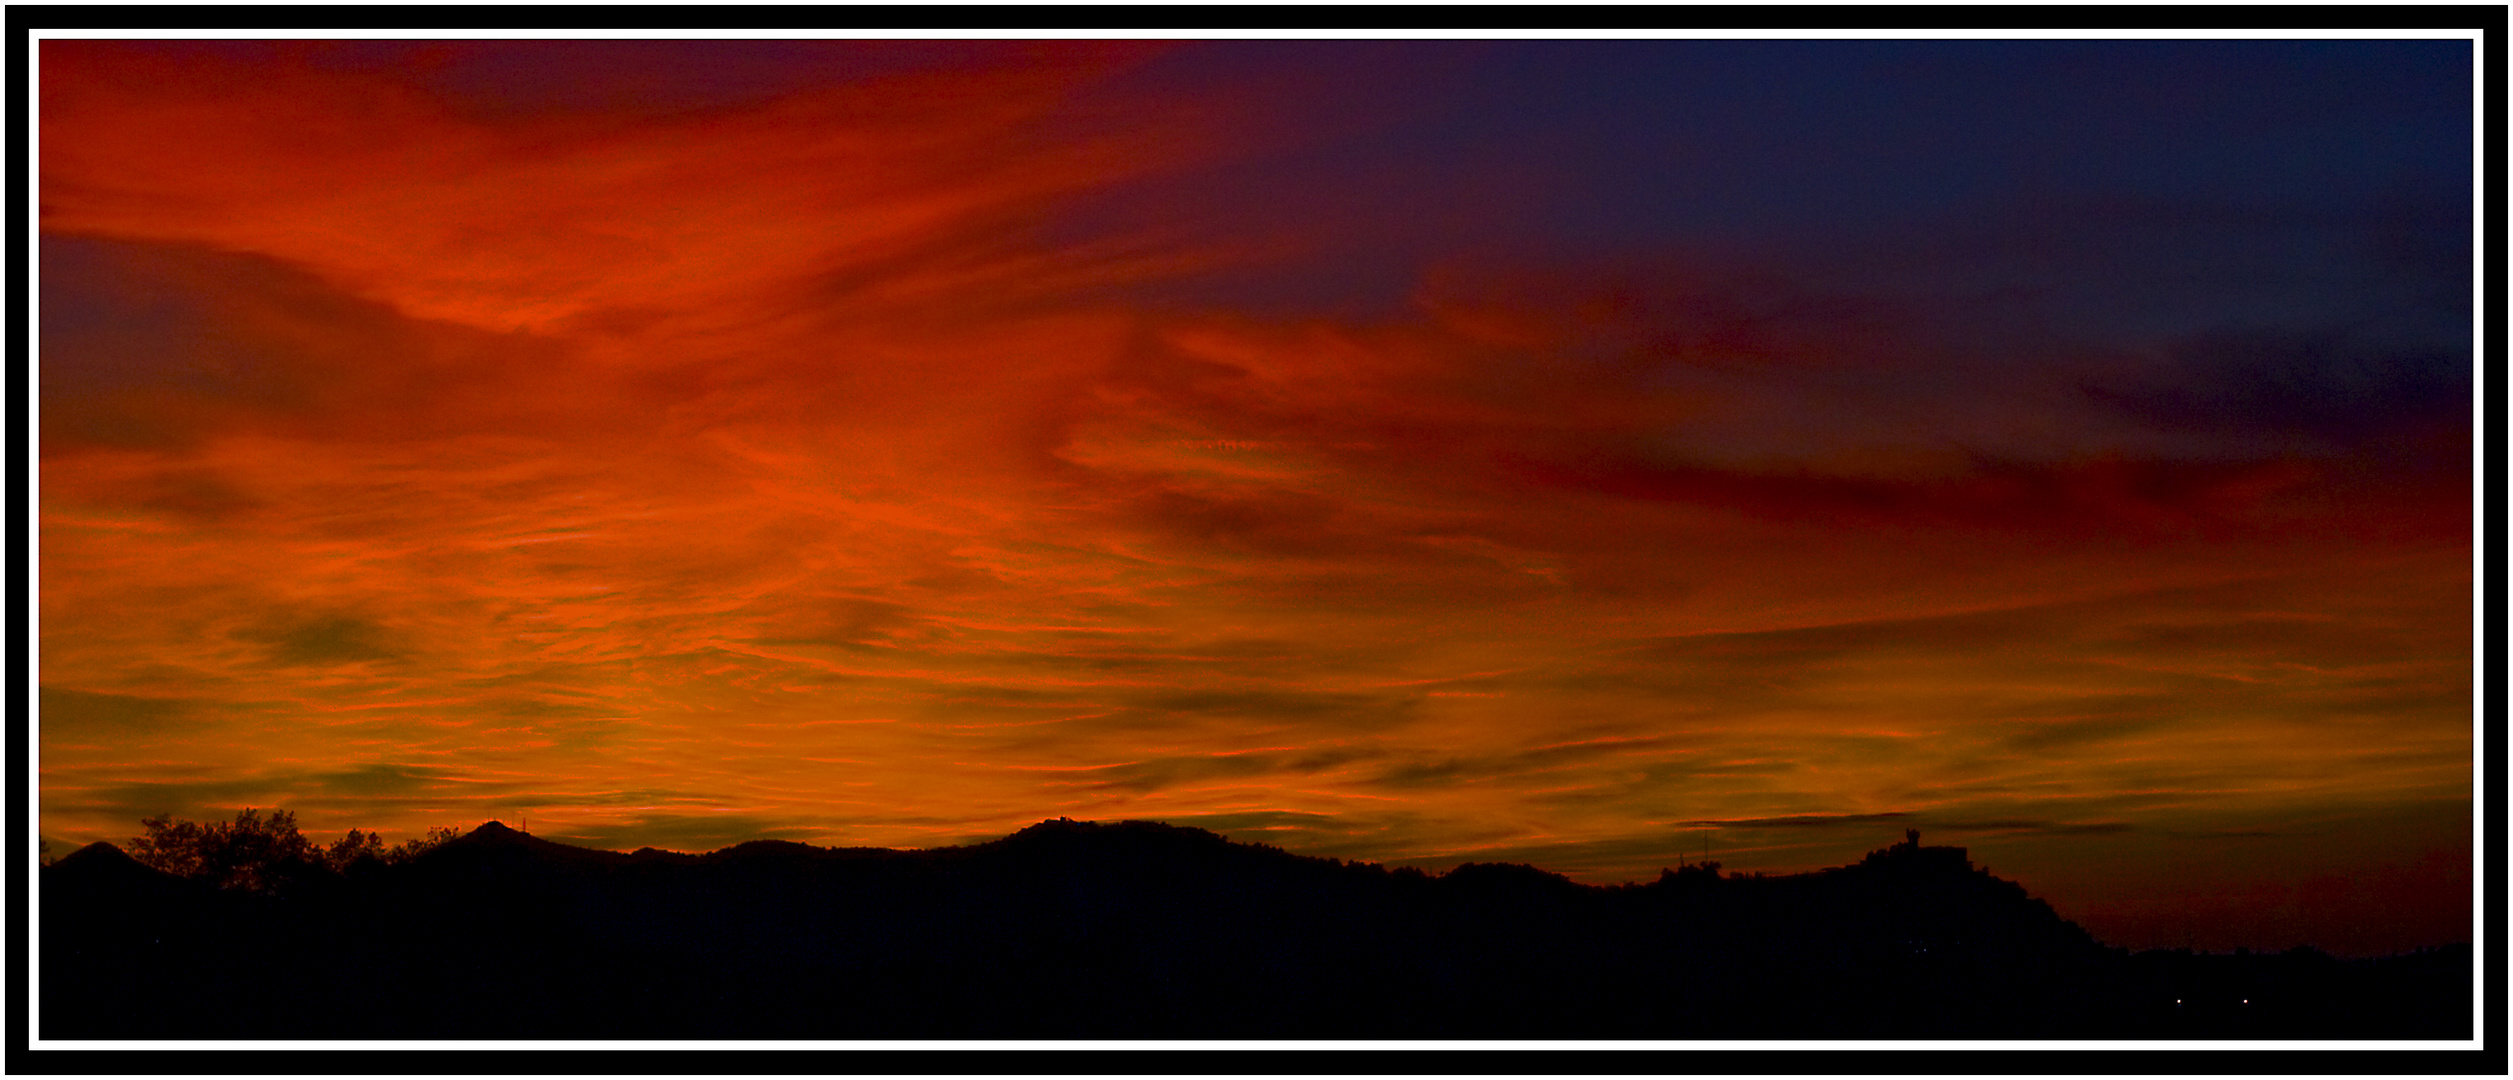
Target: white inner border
x: 2478, y: 569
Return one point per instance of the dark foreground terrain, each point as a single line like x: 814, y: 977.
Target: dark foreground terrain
x: 1080, y: 930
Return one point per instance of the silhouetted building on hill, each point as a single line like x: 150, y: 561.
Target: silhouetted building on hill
x: 1909, y: 855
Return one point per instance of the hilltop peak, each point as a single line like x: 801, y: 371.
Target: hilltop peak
x: 99, y: 853
x: 104, y: 866
x: 1071, y: 827
x: 500, y: 833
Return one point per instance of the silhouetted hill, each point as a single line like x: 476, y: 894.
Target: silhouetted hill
x: 1140, y: 930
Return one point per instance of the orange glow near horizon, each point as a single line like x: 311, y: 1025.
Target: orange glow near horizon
x: 826, y: 462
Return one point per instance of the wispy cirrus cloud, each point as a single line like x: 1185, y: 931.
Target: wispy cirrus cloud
x: 897, y: 446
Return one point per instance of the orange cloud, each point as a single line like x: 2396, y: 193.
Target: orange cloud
x: 778, y: 467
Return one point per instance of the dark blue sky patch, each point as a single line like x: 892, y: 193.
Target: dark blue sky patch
x: 2330, y: 387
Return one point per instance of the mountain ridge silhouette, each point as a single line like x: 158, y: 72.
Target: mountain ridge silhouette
x: 1069, y: 929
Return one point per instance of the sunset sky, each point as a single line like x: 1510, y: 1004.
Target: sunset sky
x: 1568, y: 452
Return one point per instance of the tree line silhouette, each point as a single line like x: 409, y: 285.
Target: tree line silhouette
x: 260, y: 853
x: 1073, y: 929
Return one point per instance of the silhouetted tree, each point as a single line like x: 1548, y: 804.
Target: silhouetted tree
x: 353, y: 847
x: 420, y: 845
x: 256, y: 852
x: 241, y: 854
